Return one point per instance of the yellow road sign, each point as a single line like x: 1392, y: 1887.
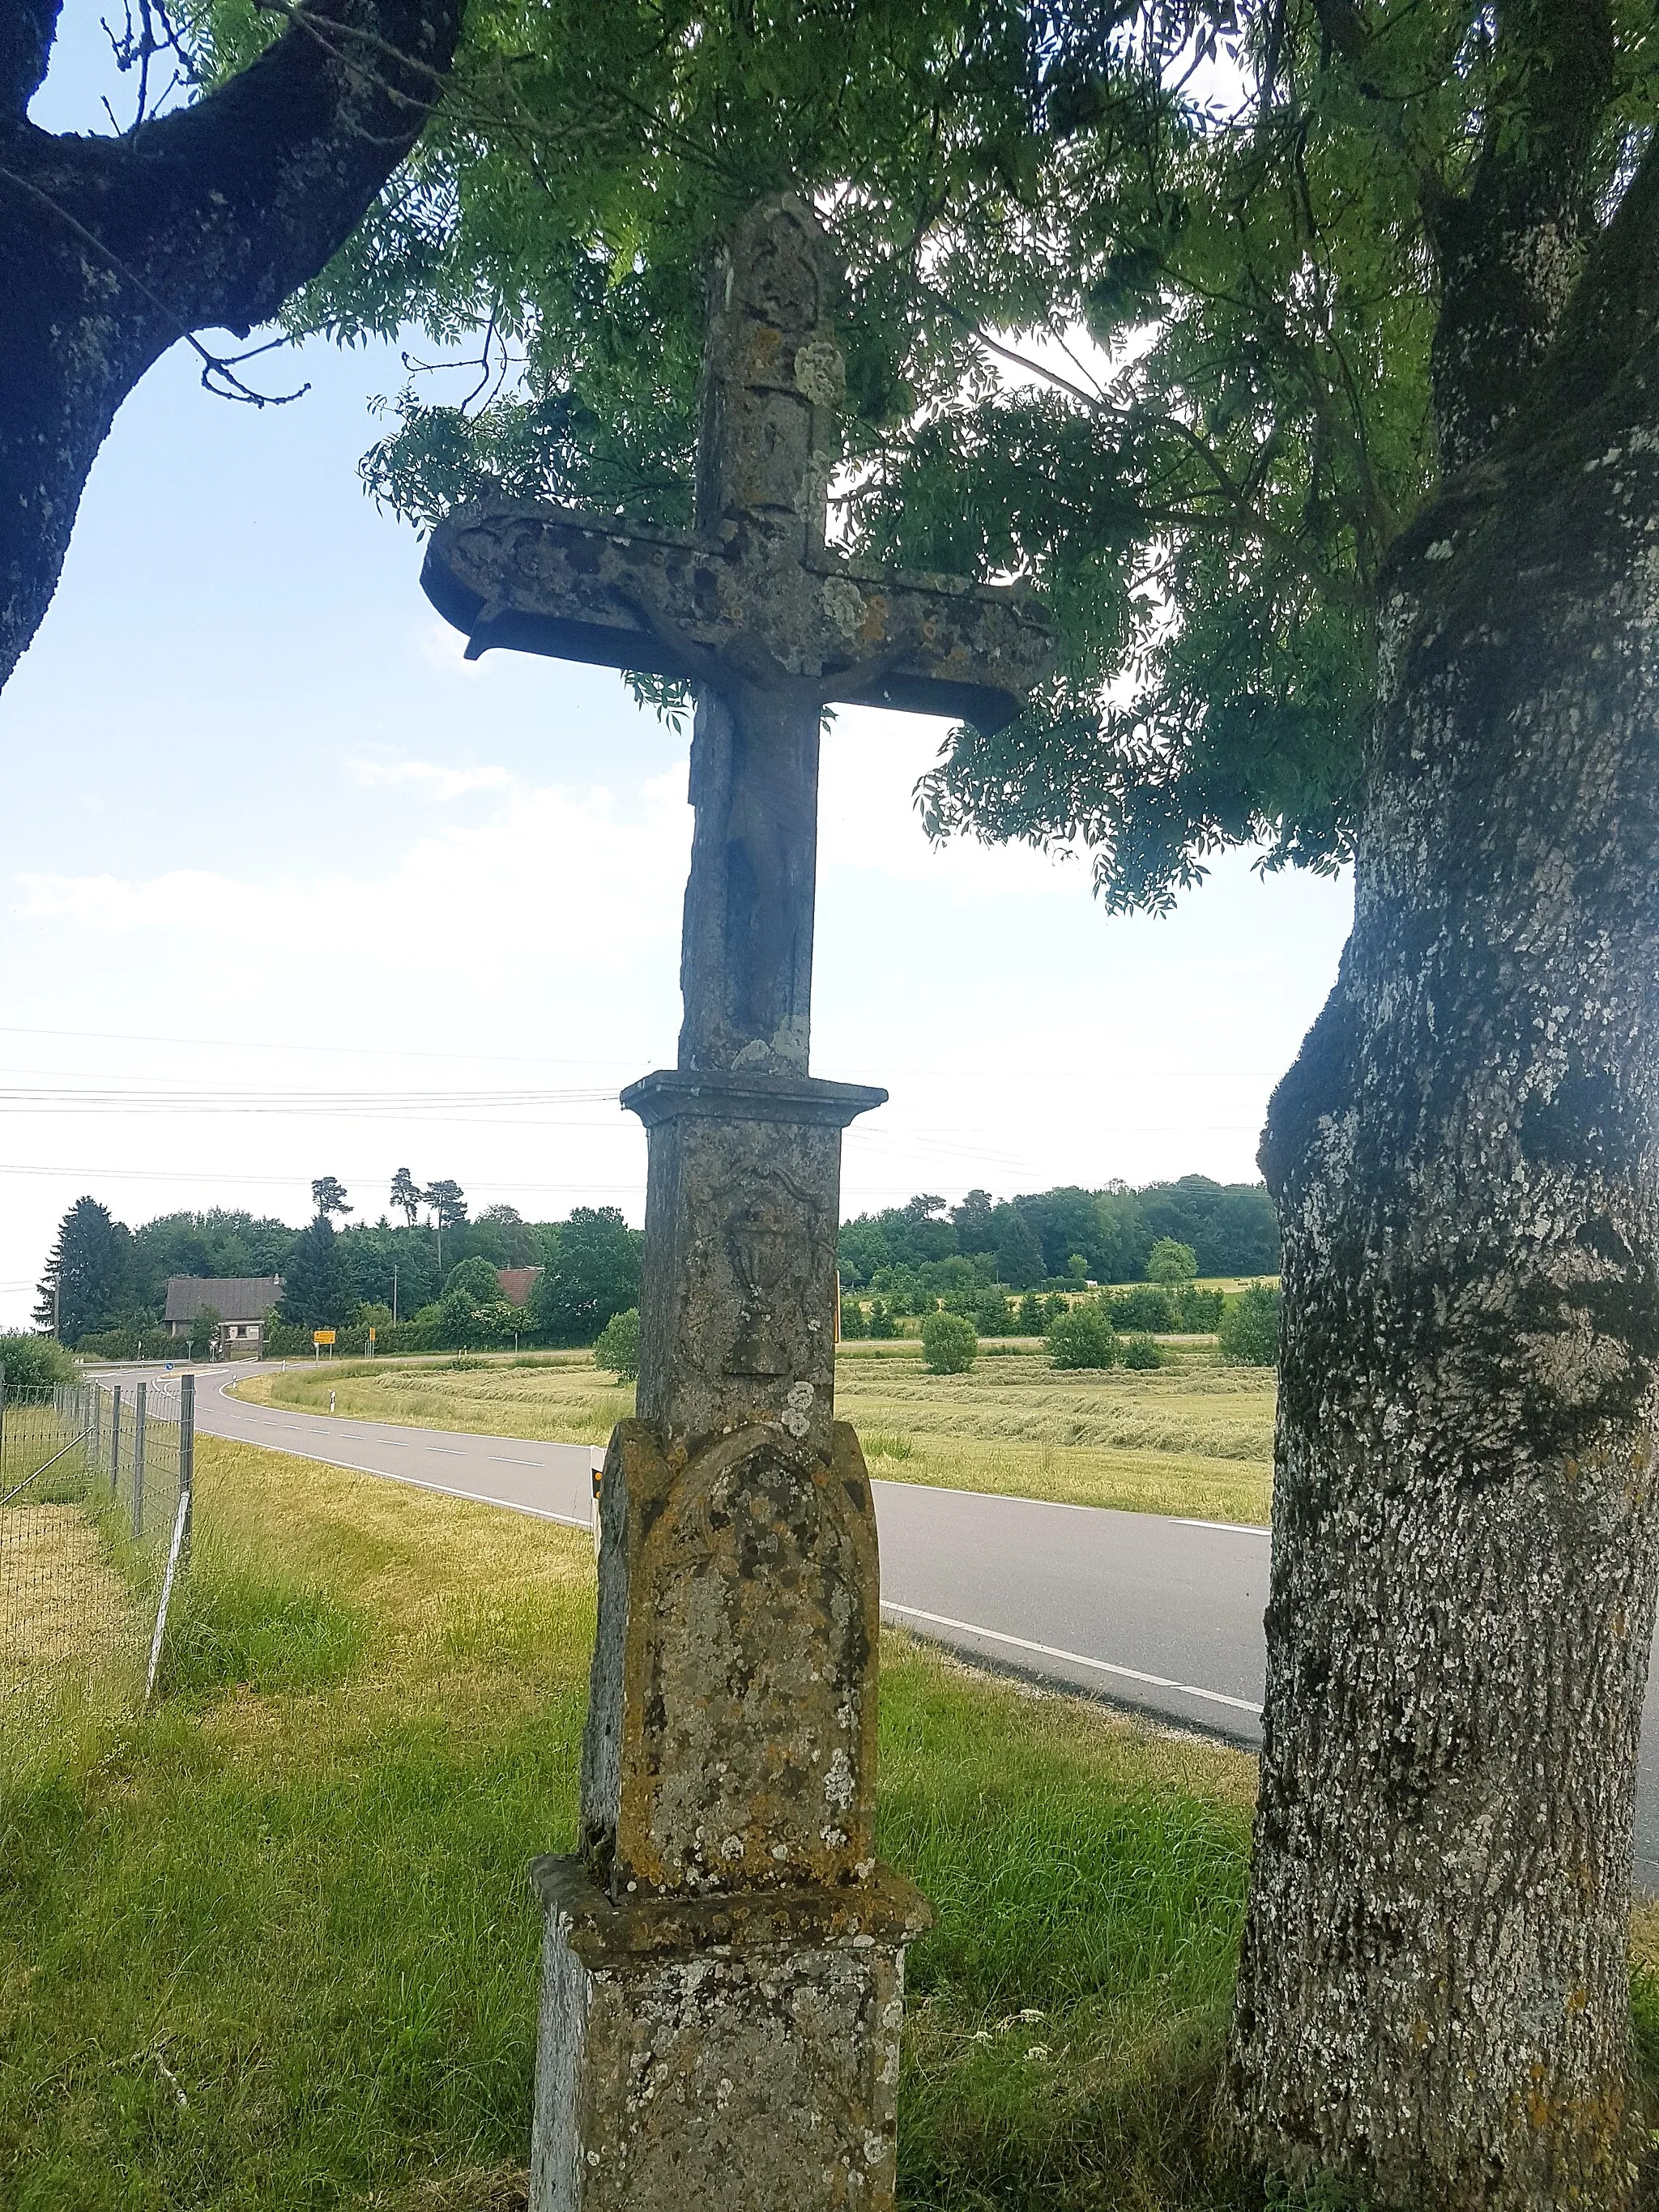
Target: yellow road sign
x: 322, y: 1336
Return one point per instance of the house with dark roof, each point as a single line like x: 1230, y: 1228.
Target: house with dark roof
x: 517, y: 1284
x: 241, y: 1303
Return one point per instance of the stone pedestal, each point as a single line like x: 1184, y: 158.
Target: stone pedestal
x: 742, y: 1214
x: 731, y: 1738
x: 723, y: 1985
x: 730, y: 2054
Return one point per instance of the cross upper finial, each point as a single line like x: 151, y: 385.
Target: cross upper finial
x: 772, y: 380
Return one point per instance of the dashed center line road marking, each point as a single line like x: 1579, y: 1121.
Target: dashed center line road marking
x: 1074, y: 1658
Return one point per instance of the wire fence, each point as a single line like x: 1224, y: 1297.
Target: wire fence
x: 95, y: 1484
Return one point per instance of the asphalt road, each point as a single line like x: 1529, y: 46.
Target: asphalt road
x: 1160, y: 1615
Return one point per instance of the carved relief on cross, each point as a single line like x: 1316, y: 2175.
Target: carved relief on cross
x: 768, y: 622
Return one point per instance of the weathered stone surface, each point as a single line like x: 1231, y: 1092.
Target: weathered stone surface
x: 525, y: 575
x: 727, y: 2054
x: 731, y: 1739
x: 723, y: 1989
x: 752, y: 595
x: 743, y: 1207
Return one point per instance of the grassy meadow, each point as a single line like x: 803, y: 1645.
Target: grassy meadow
x: 272, y: 1945
x: 1194, y: 1437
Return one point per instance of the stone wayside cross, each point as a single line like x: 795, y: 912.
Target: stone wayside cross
x: 722, y: 1987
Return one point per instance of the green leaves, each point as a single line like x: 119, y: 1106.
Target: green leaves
x: 1145, y: 326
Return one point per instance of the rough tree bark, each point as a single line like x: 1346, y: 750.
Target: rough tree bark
x: 1434, y: 1995
x: 110, y: 249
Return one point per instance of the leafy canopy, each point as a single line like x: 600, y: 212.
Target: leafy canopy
x: 1141, y: 317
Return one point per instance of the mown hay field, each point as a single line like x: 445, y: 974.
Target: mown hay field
x: 1194, y: 1437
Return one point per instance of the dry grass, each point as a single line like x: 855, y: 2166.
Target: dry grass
x: 1193, y: 1438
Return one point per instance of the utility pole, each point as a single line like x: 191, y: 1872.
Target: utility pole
x: 394, y: 1294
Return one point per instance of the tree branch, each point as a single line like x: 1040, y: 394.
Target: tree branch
x: 27, y: 29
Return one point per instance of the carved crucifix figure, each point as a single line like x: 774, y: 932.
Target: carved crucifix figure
x: 723, y: 1968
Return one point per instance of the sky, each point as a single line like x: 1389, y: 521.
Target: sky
x: 289, y: 888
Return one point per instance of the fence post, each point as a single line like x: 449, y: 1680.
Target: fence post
x: 96, y: 1426
x: 3, y: 1413
x: 139, y: 1415
x: 187, y: 1458
x: 115, y: 1444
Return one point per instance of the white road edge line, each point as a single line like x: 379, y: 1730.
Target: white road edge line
x: 1233, y: 1527
x: 409, y: 1481
x: 1074, y: 1658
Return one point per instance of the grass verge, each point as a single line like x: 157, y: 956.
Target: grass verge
x: 272, y: 1945
x: 1194, y: 1437
x: 271, y: 1948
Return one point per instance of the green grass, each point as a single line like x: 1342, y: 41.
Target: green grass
x: 1194, y: 1437
x: 272, y: 1945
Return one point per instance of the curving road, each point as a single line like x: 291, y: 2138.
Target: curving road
x: 1160, y: 1615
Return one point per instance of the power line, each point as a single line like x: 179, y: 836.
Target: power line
x: 340, y: 1051
x: 84, y: 1098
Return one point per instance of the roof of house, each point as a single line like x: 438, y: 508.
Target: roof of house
x: 232, y: 1297
x: 517, y: 1284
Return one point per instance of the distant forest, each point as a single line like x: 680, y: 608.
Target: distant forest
x: 1066, y: 1236
x: 105, y: 1276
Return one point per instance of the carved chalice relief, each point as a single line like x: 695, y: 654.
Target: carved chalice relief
x: 771, y: 1240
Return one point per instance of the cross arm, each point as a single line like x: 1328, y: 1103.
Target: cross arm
x: 542, y: 579
x: 929, y: 645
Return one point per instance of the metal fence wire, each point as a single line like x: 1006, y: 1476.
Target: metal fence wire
x: 95, y: 1481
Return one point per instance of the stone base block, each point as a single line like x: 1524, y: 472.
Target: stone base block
x: 730, y: 2054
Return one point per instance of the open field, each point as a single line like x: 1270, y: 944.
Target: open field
x: 273, y: 1946
x: 1194, y: 1437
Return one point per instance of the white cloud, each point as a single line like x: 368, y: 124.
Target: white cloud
x: 583, y: 873
x: 433, y: 776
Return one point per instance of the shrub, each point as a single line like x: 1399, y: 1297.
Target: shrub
x: 459, y: 1326
x: 1250, y: 1327
x: 1032, y: 1319
x: 853, y: 1324
x: 1083, y: 1338
x: 992, y: 1315
x: 1142, y: 1351
x: 881, y: 1321
x: 34, y: 1363
x: 618, y: 1347
x: 1144, y: 1306
x: 1197, y: 1312
x: 948, y: 1343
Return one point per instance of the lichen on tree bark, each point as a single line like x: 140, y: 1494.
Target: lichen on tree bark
x: 1434, y: 1995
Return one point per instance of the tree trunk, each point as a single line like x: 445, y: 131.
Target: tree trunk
x: 112, y: 249
x: 1434, y: 1996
